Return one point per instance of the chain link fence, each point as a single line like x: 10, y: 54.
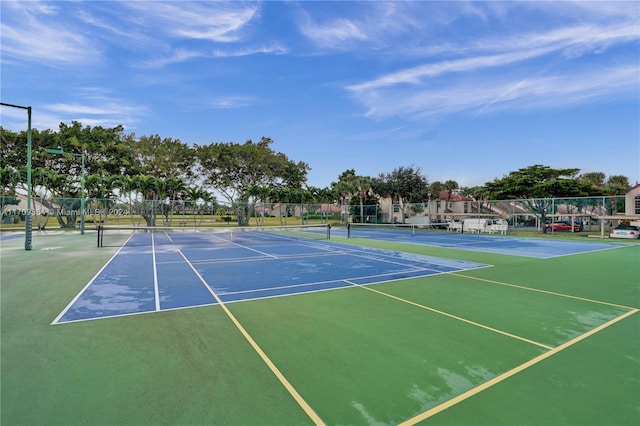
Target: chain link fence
x: 533, y: 213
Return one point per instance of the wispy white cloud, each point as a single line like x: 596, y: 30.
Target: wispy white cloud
x: 335, y: 34
x: 416, y: 75
x: 79, y: 33
x: 515, y: 93
x: 103, y: 24
x: 172, y: 57
x: 570, y: 42
x: 553, y: 66
x: 275, y: 49
x: 38, y: 31
x: 213, y: 21
x: 93, y: 106
x: 231, y: 102
x: 368, y: 26
x: 180, y: 55
x: 110, y: 108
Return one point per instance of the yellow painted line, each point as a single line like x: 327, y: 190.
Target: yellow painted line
x: 287, y: 385
x: 477, y: 324
x: 425, y: 415
x: 542, y: 291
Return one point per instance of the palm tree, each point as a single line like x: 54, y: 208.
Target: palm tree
x: 306, y: 194
x: 129, y: 186
x: 100, y: 193
x: 281, y: 195
x: 192, y: 194
x: 327, y: 196
x: 616, y: 186
x: 59, y: 187
x: 363, y: 185
x: 209, y: 201
x: 9, y: 180
x: 449, y: 186
x: 344, y: 189
x: 172, y: 188
x: 149, y: 188
x: 260, y: 195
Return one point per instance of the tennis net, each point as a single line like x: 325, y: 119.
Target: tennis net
x: 390, y: 230
x: 117, y: 236
x: 364, y: 230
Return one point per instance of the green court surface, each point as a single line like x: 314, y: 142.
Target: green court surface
x: 526, y: 341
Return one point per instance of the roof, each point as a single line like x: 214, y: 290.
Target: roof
x: 329, y: 208
x: 453, y: 196
x: 36, y: 206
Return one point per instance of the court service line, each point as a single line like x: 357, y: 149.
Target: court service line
x: 156, y: 290
x: 387, y: 259
x: 254, y: 259
x: 584, y: 299
x: 336, y: 280
x: 257, y: 251
x: 437, y: 409
x: 477, y: 324
x: 283, y: 380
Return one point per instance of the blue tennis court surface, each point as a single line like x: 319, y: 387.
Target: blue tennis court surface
x: 160, y: 277
x: 528, y: 247
x: 8, y: 237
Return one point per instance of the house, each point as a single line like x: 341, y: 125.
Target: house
x: 446, y: 205
x: 37, y: 207
x: 632, y: 201
x: 329, y: 209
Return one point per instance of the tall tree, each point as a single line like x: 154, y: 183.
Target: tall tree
x: 617, y: 185
x: 595, y: 179
x: 326, y: 195
x: 8, y: 180
x: 345, y: 189
x: 162, y: 157
x: 193, y: 194
x: 536, y: 185
x: 231, y: 169
x: 362, y: 185
x: 403, y: 185
x: 105, y: 149
x: 170, y: 192
x: 148, y: 187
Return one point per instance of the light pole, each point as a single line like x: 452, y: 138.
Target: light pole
x: 61, y: 152
x: 27, y: 218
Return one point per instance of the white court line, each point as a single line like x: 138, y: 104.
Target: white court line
x: 338, y: 280
x: 81, y: 292
x: 382, y: 279
x: 255, y: 259
x: 463, y: 243
x: 156, y: 290
x: 254, y: 250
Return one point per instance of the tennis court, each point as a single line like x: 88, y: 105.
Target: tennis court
x: 294, y: 328
x: 529, y: 247
x: 172, y: 269
x: 10, y: 237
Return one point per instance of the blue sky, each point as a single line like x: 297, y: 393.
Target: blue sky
x: 467, y: 91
